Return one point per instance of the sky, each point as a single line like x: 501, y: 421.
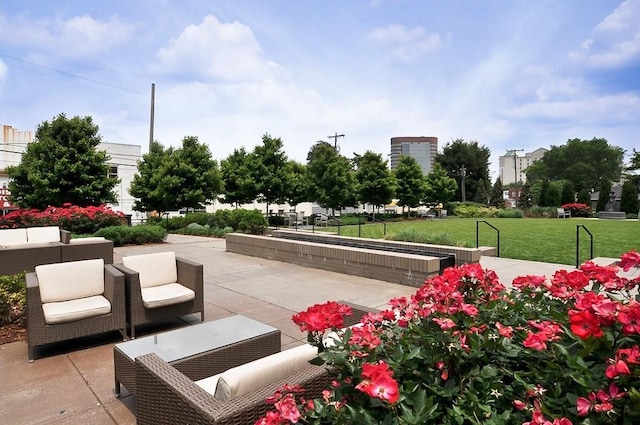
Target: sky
x: 511, y: 74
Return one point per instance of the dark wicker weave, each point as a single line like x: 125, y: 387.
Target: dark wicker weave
x: 167, y: 396
x: 88, y: 251
x: 39, y: 333
x: 25, y: 258
x: 190, y: 275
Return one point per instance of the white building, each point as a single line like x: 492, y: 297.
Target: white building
x: 423, y: 149
x: 123, y: 164
x: 513, y: 166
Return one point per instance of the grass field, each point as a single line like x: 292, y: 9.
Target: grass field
x: 536, y: 239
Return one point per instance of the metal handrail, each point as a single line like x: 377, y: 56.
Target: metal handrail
x: 374, y: 219
x: 578, y: 243
x: 478, y: 234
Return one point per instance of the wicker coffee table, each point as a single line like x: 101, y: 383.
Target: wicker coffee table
x: 224, y: 343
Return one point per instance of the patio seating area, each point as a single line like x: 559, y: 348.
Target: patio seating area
x: 71, y: 382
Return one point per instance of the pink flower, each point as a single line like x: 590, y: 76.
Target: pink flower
x: 629, y: 260
x: 288, y: 409
x: 378, y: 382
x: 505, y: 331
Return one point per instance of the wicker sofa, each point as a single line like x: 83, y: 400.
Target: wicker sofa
x: 164, y: 395
x: 21, y: 250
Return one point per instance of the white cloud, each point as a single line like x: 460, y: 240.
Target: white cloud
x: 407, y: 44
x: 3, y: 71
x: 79, y: 36
x: 215, y: 50
x: 615, y: 41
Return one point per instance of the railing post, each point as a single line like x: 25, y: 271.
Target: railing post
x: 478, y: 234
x: 578, y: 243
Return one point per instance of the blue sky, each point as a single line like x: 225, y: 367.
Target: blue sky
x: 509, y: 74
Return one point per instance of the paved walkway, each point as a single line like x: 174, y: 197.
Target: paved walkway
x: 72, y: 382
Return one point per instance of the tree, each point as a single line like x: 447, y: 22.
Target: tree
x: 148, y: 184
x: 525, y: 200
x: 629, y: 198
x: 297, y: 184
x: 440, y: 187
x: 585, y: 163
x: 604, y: 190
x: 331, y: 178
x: 172, y: 179
x: 482, y: 195
x: 238, y: 179
x: 584, y: 197
x: 375, y: 182
x: 568, y: 193
x: 412, y: 185
x: 470, y: 155
x: 268, y: 168
x: 497, y: 196
x: 62, y: 166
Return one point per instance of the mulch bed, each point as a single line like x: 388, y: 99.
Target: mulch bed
x: 12, y: 333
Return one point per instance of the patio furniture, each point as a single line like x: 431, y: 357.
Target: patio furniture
x: 25, y: 248
x: 73, y: 299
x: 562, y: 213
x: 161, y: 286
x: 86, y: 249
x: 198, y: 351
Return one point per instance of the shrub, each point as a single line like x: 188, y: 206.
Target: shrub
x: 201, y: 218
x: 252, y: 222
x: 578, y: 210
x: 136, y: 235
x: 542, y: 212
x: 79, y: 220
x: 510, y: 213
x: 464, y: 349
x: 276, y: 220
x: 13, y: 299
x: 474, y: 210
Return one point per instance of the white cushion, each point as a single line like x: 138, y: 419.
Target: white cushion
x: 248, y: 377
x: 81, y: 241
x: 154, y: 269
x: 13, y: 237
x: 70, y: 281
x: 163, y: 295
x: 43, y: 234
x: 66, y: 311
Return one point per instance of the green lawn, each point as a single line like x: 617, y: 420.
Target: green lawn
x: 537, y: 239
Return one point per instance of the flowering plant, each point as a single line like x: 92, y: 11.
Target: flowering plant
x: 577, y: 209
x: 464, y: 349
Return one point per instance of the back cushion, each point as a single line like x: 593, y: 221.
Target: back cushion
x: 70, y: 281
x: 13, y: 236
x: 43, y: 234
x: 248, y: 377
x: 154, y: 269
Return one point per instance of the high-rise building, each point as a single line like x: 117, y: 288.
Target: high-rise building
x: 423, y: 149
x: 514, y: 166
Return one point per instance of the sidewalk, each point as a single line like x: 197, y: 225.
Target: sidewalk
x: 72, y: 382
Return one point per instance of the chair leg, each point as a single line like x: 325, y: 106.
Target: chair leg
x: 202, y: 316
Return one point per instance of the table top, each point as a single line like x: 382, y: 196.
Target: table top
x: 192, y: 340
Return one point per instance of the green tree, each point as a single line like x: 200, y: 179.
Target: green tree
x: 629, y: 198
x: 568, y: 193
x: 482, y: 195
x: 584, y: 197
x: 149, y: 184
x: 497, y: 195
x: 332, y: 182
x: 525, y: 200
x: 268, y: 163
x: 604, y: 190
x: 375, y: 182
x: 470, y: 155
x: 63, y: 165
x: 583, y: 162
x: 297, y: 184
x: 440, y: 187
x: 238, y: 179
x: 412, y: 185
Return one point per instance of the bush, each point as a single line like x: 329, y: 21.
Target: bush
x: 136, y: 235
x: 542, y: 212
x: 510, y: 213
x: 411, y: 235
x: 13, y: 299
x: 468, y: 210
x: 78, y: 220
x: 252, y: 222
x: 577, y: 209
x: 276, y: 221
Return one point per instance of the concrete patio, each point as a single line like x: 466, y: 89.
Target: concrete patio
x: 72, y: 382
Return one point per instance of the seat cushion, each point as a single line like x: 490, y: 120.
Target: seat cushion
x: 154, y: 269
x: 43, y: 234
x: 82, y: 241
x: 67, y: 311
x: 71, y: 280
x: 163, y: 295
x: 10, y: 237
x: 248, y: 377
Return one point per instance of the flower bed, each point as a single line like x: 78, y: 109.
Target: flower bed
x: 466, y: 350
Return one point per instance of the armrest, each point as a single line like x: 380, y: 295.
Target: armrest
x: 113, y: 284
x: 35, y: 314
x: 131, y: 283
x: 190, y: 274
x: 65, y: 236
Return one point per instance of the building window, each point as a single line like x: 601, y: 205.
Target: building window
x: 113, y: 171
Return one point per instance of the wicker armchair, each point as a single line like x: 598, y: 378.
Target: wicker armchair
x: 166, y: 396
x: 189, y: 274
x: 40, y: 332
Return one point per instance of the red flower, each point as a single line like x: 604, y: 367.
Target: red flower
x: 320, y: 317
x: 584, y: 324
x: 629, y: 317
x: 505, y: 331
x: 378, y: 382
x: 288, y: 409
x: 629, y: 260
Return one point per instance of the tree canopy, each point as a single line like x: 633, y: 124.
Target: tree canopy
x: 440, y: 187
x: 585, y: 163
x: 412, y: 185
x: 331, y: 178
x: 375, y: 182
x: 238, y: 179
x: 473, y: 157
x: 63, y: 165
x: 268, y: 163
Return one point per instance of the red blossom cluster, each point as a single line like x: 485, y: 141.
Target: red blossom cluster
x: 377, y: 381
x: 67, y: 216
x: 578, y: 209
x: 321, y: 317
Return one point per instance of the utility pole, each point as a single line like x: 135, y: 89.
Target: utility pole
x: 335, y: 140
x: 463, y: 174
x: 153, y: 101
